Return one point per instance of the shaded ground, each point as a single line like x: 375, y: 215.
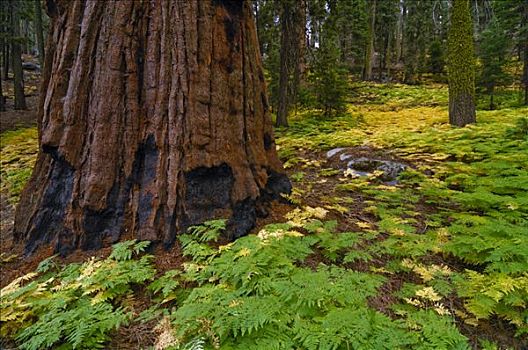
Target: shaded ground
x: 12, y: 120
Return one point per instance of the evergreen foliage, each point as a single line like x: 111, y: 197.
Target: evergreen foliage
x: 436, y: 57
x: 494, y: 46
x: 328, y: 75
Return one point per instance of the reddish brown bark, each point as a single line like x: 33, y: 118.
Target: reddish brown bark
x: 153, y: 117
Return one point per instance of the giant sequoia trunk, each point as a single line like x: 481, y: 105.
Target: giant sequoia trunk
x: 153, y: 117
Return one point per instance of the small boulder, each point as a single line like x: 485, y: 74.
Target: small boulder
x: 30, y: 66
x: 333, y: 152
x: 390, y: 169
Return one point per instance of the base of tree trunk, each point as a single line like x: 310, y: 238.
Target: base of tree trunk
x: 153, y: 117
x: 207, y: 196
x: 462, y: 109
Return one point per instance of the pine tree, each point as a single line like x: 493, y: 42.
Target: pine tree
x: 329, y: 76
x: 386, y: 22
x: 494, y: 46
x: 461, y: 65
x: 268, y: 29
x: 352, y: 26
x: 513, y: 16
x: 436, y: 57
x: 418, y: 30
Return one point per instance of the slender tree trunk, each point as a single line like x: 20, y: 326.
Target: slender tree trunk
x: 524, y: 40
x: 388, y: 56
x: 3, y: 38
x: 153, y: 117
x: 399, y: 34
x: 3, y: 45
x: 525, y: 74
x: 404, y: 43
x: 383, y: 57
x: 302, y: 43
x: 411, y: 46
x: 369, y: 54
x: 16, y: 57
x: 26, y: 35
x: 7, y: 60
x: 285, y: 59
x: 2, y: 98
x: 461, y: 65
x: 292, y: 42
x: 39, y: 31
x: 6, y: 63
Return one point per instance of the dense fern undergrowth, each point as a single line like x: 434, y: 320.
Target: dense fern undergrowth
x: 420, y: 264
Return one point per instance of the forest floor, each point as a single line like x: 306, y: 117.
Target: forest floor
x: 402, y: 233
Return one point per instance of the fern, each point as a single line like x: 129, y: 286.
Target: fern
x: 124, y: 250
x: 520, y: 130
x: 496, y: 293
x: 352, y: 328
x: 166, y: 285
x: 333, y: 245
x: 76, y: 306
x: 436, y: 332
x: 208, y: 231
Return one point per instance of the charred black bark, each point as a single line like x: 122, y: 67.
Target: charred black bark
x: 48, y: 221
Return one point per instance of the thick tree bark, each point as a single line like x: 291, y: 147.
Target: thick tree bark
x: 461, y: 66
x: 39, y: 31
x: 153, y: 117
x: 16, y: 57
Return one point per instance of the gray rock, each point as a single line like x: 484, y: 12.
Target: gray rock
x: 30, y: 66
x: 365, y: 164
x: 344, y: 156
x: 333, y: 152
x: 391, y: 169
